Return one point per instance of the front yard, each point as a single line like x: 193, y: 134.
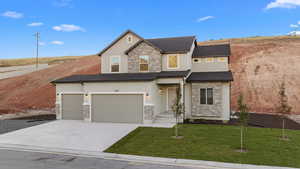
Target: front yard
x: 214, y: 143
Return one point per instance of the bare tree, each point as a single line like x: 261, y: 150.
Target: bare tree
x: 178, y: 109
x: 284, y: 108
x: 243, y: 119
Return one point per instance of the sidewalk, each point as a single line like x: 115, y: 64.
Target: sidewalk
x: 142, y: 159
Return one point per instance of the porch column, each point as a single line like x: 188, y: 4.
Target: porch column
x: 181, y: 91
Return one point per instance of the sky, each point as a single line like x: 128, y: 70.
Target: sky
x: 83, y: 27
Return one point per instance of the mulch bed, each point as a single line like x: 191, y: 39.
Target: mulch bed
x: 255, y: 120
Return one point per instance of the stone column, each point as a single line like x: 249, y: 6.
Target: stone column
x: 148, y: 113
x: 58, y: 103
x: 87, y: 107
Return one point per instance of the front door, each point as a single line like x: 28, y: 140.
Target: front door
x: 171, y: 97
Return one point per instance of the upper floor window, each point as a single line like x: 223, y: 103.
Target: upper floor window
x: 206, y: 96
x: 144, y: 63
x: 172, y: 61
x: 115, y: 64
x: 209, y: 59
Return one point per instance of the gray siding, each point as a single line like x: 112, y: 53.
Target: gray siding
x: 143, y: 49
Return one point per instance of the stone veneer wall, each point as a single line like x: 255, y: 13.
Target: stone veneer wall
x: 204, y: 110
x: 86, y: 112
x: 148, y: 112
x: 141, y: 50
x: 57, y: 111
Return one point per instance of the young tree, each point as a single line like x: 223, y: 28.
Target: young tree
x: 178, y: 109
x: 284, y: 108
x: 243, y: 119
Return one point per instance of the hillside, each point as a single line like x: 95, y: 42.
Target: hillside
x: 34, y: 91
x: 259, y: 65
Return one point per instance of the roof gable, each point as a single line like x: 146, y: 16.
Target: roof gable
x: 117, y: 39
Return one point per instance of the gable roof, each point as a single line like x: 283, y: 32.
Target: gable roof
x: 174, y: 44
x: 139, y: 42
x: 121, y: 77
x: 116, y: 40
x: 222, y: 50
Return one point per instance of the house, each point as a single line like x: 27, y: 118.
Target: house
x: 139, y: 80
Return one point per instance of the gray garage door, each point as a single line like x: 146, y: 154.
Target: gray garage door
x: 121, y: 108
x: 72, y: 106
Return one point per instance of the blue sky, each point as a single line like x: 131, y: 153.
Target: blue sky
x: 82, y: 27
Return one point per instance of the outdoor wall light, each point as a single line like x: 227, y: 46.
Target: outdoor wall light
x: 117, y: 90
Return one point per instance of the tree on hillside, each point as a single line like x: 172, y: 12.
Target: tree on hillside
x: 284, y: 108
x: 243, y: 119
x: 178, y: 109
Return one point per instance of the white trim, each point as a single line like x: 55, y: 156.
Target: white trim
x: 110, y: 63
x: 144, y: 63
x: 178, y: 61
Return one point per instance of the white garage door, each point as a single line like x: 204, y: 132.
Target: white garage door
x: 117, y: 108
x: 72, y: 108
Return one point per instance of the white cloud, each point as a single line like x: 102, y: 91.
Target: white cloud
x: 283, y: 4
x: 294, y: 26
x: 42, y: 43
x: 298, y: 22
x: 56, y: 42
x: 35, y: 24
x: 68, y: 28
x: 13, y: 14
x: 294, y: 33
x: 205, y: 18
x: 63, y: 3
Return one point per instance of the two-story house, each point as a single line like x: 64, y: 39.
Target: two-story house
x: 139, y: 78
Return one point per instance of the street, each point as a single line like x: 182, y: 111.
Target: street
x: 33, y: 160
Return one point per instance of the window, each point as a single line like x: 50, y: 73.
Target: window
x: 144, y: 63
x: 209, y: 59
x: 221, y: 59
x: 115, y: 64
x: 206, y: 96
x: 172, y: 61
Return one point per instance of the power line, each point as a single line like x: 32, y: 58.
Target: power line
x: 37, y: 36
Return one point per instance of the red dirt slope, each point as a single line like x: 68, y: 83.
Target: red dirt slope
x: 34, y: 90
x: 260, y: 66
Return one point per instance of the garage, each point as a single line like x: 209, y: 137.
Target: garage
x: 117, y: 108
x: 72, y: 106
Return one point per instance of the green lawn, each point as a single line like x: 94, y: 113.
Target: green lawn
x: 214, y: 143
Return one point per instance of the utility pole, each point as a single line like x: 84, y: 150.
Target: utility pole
x: 37, y: 36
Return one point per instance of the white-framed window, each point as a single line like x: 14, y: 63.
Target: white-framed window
x: 221, y: 59
x: 144, y: 63
x: 115, y: 64
x: 173, y: 61
x: 206, y: 96
x: 209, y: 60
x: 129, y: 39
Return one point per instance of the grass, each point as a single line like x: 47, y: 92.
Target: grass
x: 30, y: 61
x: 214, y: 143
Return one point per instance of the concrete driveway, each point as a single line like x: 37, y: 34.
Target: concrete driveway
x: 69, y: 134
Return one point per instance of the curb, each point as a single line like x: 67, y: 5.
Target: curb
x: 135, y: 158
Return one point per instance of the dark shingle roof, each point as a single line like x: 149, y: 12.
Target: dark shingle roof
x: 121, y: 77
x: 210, y: 77
x: 173, y: 45
x: 212, y: 51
